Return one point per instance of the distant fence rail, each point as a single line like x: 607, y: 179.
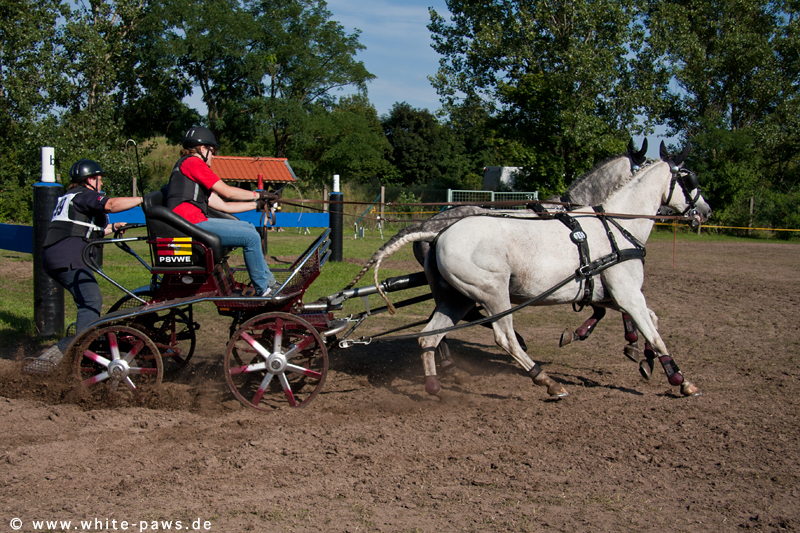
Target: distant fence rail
x: 490, y: 196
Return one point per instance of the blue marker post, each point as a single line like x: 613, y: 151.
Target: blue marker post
x: 48, y: 296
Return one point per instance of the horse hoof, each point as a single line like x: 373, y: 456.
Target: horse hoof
x: 690, y: 389
x: 646, y: 368
x: 566, y: 338
x: 432, y: 386
x: 554, y: 390
x: 632, y: 351
x: 458, y: 375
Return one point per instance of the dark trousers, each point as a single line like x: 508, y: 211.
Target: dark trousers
x: 85, y: 291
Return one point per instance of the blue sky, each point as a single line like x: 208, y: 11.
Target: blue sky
x: 398, y: 50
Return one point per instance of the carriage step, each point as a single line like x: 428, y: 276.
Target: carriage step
x: 45, y: 363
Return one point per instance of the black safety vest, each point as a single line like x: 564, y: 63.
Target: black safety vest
x: 181, y: 189
x: 67, y: 221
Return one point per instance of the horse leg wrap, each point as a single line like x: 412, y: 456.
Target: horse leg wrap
x: 535, y: 370
x: 674, y: 375
x: 630, y: 329
x: 586, y: 329
x: 649, y: 352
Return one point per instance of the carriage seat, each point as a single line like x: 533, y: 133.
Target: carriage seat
x: 171, y: 233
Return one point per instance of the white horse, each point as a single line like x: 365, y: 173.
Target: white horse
x: 592, y: 188
x: 500, y: 261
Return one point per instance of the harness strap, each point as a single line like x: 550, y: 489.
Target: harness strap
x: 592, y: 269
x: 578, y: 237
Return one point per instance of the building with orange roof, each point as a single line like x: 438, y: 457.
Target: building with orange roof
x: 276, y: 171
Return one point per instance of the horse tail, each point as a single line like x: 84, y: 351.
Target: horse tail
x: 416, y: 228
x: 387, y: 250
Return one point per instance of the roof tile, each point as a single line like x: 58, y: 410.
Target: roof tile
x: 274, y: 169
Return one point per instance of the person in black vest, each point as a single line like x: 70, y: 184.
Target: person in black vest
x: 193, y: 187
x: 81, y: 216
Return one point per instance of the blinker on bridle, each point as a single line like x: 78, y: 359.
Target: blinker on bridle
x: 689, y: 182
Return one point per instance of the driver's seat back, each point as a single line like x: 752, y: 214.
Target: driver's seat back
x: 177, y: 245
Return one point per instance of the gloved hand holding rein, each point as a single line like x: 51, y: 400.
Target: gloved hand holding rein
x: 266, y: 199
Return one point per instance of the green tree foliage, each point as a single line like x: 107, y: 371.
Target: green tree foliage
x: 555, y: 78
x: 423, y: 151
x: 730, y: 84
x: 29, y: 79
x: 310, y: 56
x: 347, y: 140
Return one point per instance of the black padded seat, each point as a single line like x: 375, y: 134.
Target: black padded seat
x: 162, y: 222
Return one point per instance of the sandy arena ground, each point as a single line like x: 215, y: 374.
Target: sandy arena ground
x: 374, y: 453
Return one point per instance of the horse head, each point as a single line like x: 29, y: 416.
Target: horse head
x: 694, y: 205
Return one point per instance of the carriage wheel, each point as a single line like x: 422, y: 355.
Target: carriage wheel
x: 275, y: 359
x: 171, y: 330
x: 119, y: 359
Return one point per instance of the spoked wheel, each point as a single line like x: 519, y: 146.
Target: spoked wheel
x: 172, y: 330
x: 275, y: 359
x: 119, y: 359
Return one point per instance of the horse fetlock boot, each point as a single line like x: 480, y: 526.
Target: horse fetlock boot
x: 432, y: 386
x: 674, y: 375
x: 632, y: 351
x: 631, y: 335
x: 541, y: 379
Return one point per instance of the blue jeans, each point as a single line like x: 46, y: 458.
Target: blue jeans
x: 85, y: 291
x: 238, y: 233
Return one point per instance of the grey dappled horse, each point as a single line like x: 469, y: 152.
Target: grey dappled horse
x: 592, y: 188
x: 499, y: 261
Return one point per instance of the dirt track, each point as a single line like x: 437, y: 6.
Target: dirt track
x: 374, y: 453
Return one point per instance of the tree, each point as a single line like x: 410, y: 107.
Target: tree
x: 734, y: 64
x: 555, y: 78
x: 29, y: 78
x: 347, y: 140
x: 310, y: 57
x: 423, y: 151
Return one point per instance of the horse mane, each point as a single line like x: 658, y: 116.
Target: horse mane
x: 597, y: 168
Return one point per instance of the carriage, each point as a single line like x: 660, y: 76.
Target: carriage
x: 277, y: 353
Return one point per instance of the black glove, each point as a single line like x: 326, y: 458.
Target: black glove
x: 265, y: 200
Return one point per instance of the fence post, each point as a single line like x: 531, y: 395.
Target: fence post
x: 48, y: 296
x: 336, y: 211
x: 383, y: 201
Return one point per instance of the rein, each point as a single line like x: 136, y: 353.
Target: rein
x: 585, y: 271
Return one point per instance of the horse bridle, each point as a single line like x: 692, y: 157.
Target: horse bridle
x: 688, y: 182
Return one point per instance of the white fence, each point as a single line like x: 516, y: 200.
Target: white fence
x: 490, y: 196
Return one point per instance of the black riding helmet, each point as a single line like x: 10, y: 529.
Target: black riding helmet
x: 198, y: 135
x: 83, y: 169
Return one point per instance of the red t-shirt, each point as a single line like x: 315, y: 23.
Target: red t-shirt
x: 198, y: 171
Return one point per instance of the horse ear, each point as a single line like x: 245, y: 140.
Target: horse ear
x: 680, y: 158
x: 662, y: 151
x: 640, y: 156
x: 631, y: 147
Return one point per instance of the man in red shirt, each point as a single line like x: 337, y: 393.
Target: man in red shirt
x: 193, y: 187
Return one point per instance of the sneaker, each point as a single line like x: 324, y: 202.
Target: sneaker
x: 271, y: 290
